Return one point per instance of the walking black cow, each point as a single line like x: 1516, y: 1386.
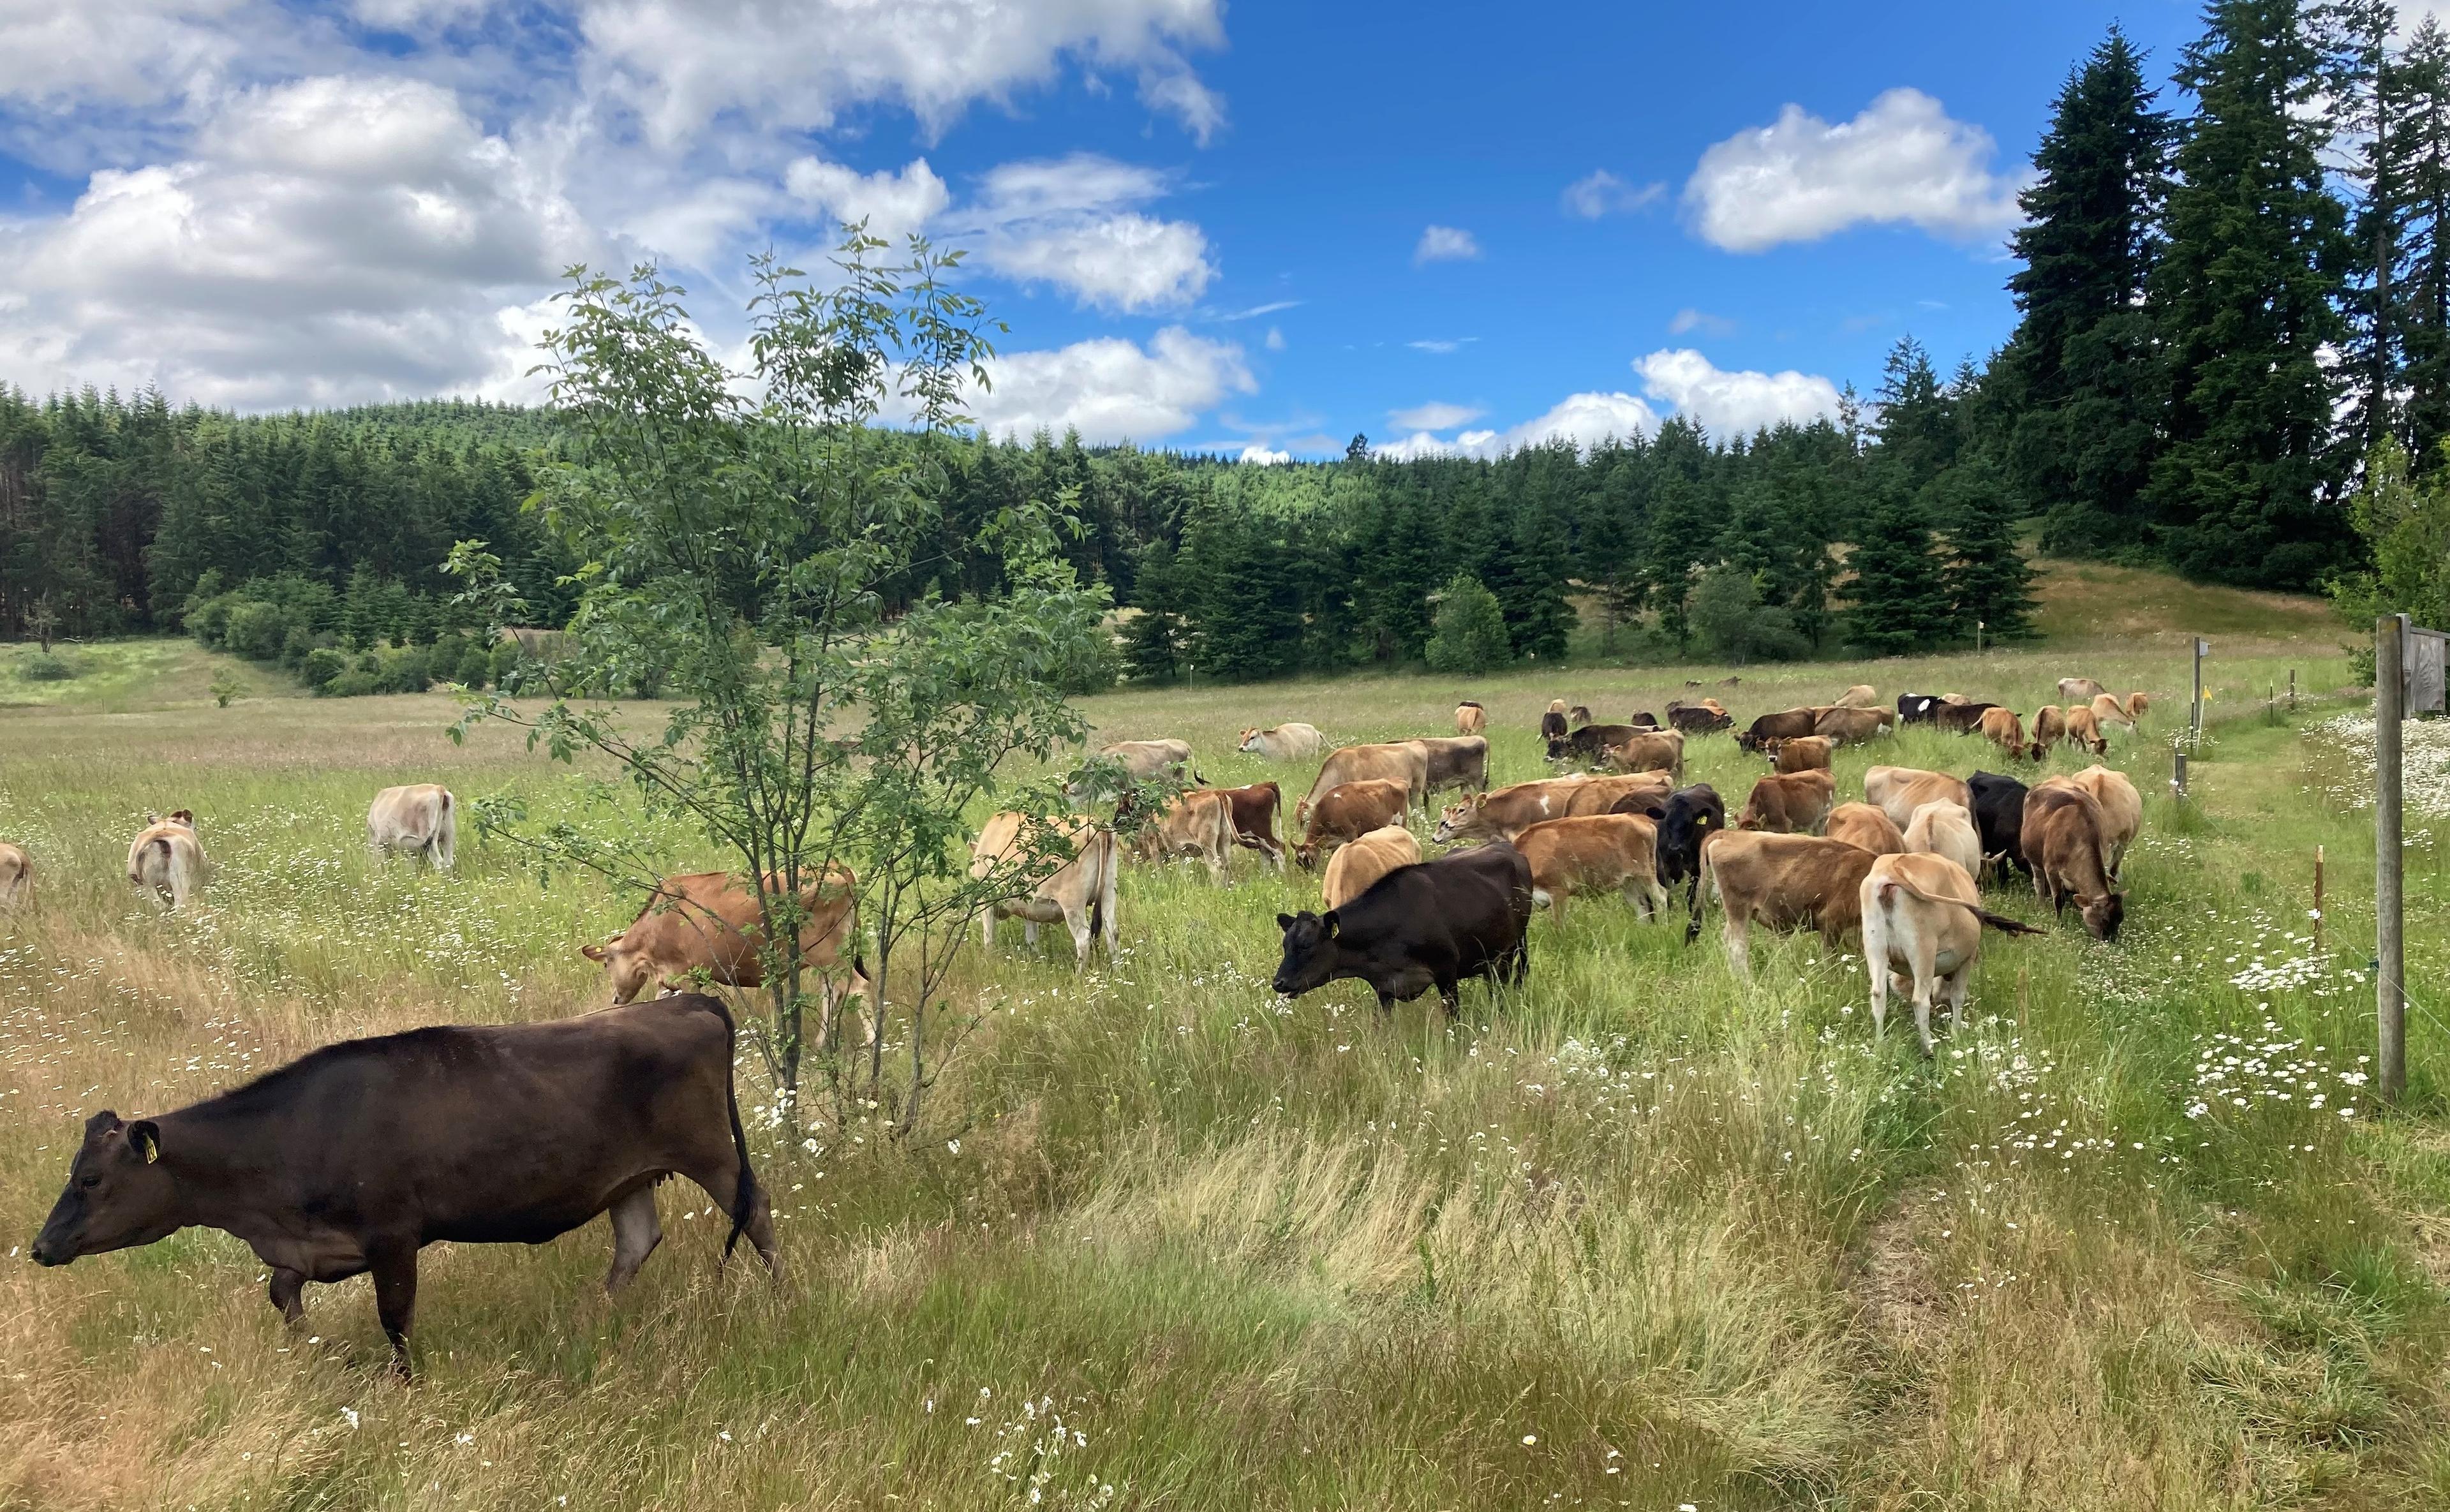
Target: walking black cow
x: 1999, y: 818
x: 1690, y: 816
x: 1433, y: 924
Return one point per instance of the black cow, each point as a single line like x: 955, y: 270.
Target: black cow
x: 1999, y: 815
x: 1918, y: 708
x: 1784, y: 724
x: 356, y: 1156
x: 1961, y: 719
x: 1694, y: 720
x: 1552, y: 726
x: 1646, y: 720
x: 1689, y: 817
x: 1465, y: 914
x: 1586, y: 744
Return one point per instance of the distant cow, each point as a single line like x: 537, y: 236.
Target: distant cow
x: 2110, y: 714
x: 1946, y: 828
x: 707, y: 921
x: 1922, y: 918
x: 1502, y: 814
x: 1436, y: 924
x: 1849, y: 726
x: 1402, y: 760
x: 1960, y: 718
x: 1595, y: 851
x: 1254, y: 818
x: 1643, y: 719
x: 1789, y: 803
x: 2083, y: 730
x: 1661, y: 750
x: 2079, y: 689
x: 1579, y: 714
x: 1918, y: 708
x: 1145, y: 759
x: 1552, y: 724
x: 355, y: 1157
x: 1901, y: 790
x: 1783, y: 882
x: 1079, y: 895
x: 1862, y: 695
x: 2001, y: 727
x: 1781, y: 726
x: 1285, y: 743
x: 420, y: 819
x: 166, y: 861
x: 1864, y: 825
x: 1591, y: 743
x: 1358, y: 863
x: 2122, y: 810
x: 1459, y: 761
x: 1697, y: 719
x: 2049, y: 727
x: 1689, y: 817
x: 1801, y: 753
x: 1197, y: 825
x: 2138, y: 703
x: 1348, y: 811
x: 1471, y: 719
x: 16, y: 876
x: 2065, y: 843
x: 1999, y: 818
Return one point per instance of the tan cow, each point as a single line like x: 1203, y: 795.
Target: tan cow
x: 707, y: 921
x: 1800, y: 753
x: 1145, y: 759
x: 2110, y: 714
x: 2079, y: 689
x: 1789, y: 803
x: 16, y: 876
x: 2083, y: 730
x: 1862, y: 695
x: 2049, y: 727
x: 2138, y: 705
x: 1849, y: 726
x: 2001, y: 727
x: 420, y: 818
x: 1865, y: 826
x: 2122, y: 810
x: 2064, y: 842
x: 1402, y: 761
x: 1598, y: 850
x: 1785, y: 881
x: 1456, y: 761
x: 1605, y: 795
x: 1471, y: 719
x: 1946, y: 827
x: 1658, y: 751
x: 1901, y: 790
x: 1197, y: 825
x: 166, y: 861
x: 1504, y: 813
x: 1346, y: 813
x: 1079, y: 895
x: 1285, y: 743
x: 1922, y: 918
x: 1359, y: 863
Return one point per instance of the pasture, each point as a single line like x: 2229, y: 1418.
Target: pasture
x: 1639, y: 1234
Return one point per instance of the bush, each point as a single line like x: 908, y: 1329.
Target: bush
x: 46, y: 667
x: 207, y: 618
x: 402, y: 670
x: 1470, y: 629
x: 351, y: 684
x: 296, y: 647
x: 256, y: 630
x: 322, y: 665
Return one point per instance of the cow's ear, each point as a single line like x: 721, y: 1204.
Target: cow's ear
x: 1656, y: 812
x: 101, y: 1123
x: 593, y: 952
x: 151, y: 819
x: 145, y: 1138
x: 1284, y: 920
x: 185, y: 816
x: 1328, y: 923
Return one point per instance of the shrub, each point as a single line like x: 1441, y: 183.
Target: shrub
x: 1470, y: 629
x: 45, y: 667
x: 256, y: 630
x: 223, y: 688
x: 322, y: 665
x: 208, y: 618
x: 402, y: 670
x: 296, y: 647
x: 351, y: 684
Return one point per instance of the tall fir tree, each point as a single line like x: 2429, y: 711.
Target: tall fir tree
x: 1900, y: 594
x: 2420, y: 286
x: 1990, y: 583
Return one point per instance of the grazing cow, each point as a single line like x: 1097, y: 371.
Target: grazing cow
x: 2122, y: 811
x: 16, y: 876
x: 1593, y: 851
x: 1358, y: 863
x: 1789, y: 803
x: 1999, y: 819
x: 1801, y: 753
x: 1609, y: 795
x: 166, y: 861
x: 1658, y: 751
x: 355, y: 1157
x: 1862, y: 695
x: 1459, y: 761
x: 2084, y: 731
x: 1579, y: 714
x: 2063, y: 841
x: 1348, y: 812
x: 1402, y: 760
x: 1464, y: 915
x: 1848, y: 726
x: 1918, y: 708
x: 1922, y: 923
x: 420, y: 819
x: 2001, y: 727
x: 1145, y: 759
x: 1901, y: 790
x: 1783, y: 724
x: 1946, y: 827
x: 1643, y: 719
x: 707, y: 921
x: 1471, y: 719
x: 1502, y: 814
x: 1589, y: 743
x: 1079, y: 895
x: 2049, y: 727
x: 1285, y: 743
x: 1864, y: 825
x: 1785, y: 881
x: 2079, y: 689
x: 1197, y: 825
x: 2110, y: 714
x: 2138, y: 703
x: 1697, y: 719
x: 1254, y: 818
x: 1960, y: 718
x: 1552, y: 724
x: 1689, y: 817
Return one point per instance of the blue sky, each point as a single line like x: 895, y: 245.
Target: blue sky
x: 1256, y: 228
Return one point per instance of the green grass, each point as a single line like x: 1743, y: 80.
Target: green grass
x: 1642, y: 1233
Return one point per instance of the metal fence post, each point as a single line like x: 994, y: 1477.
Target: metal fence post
x: 2391, y: 951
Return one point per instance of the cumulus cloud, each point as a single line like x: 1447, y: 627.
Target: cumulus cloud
x: 893, y: 204
x: 1434, y: 416
x: 1069, y: 222
x: 128, y: 52
x: 1602, y: 193
x: 1585, y: 420
x: 330, y: 240
x: 1260, y: 451
x: 1681, y: 381
x: 1901, y: 162
x: 1729, y: 403
x: 1112, y: 390
x: 1445, y: 244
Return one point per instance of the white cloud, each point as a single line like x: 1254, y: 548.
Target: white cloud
x: 1689, y: 320
x: 1259, y: 452
x: 1434, y: 416
x: 1731, y: 403
x: 1064, y: 221
x: 1112, y: 390
x: 128, y: 52
x: 1902, y: 160
x: 1585, y: 420
x: 1276, y: 342
x: 1442, y: 348
x: 1602, y: 193
x: 1445, y: 244
x: 893, y: 204
x: 331, y: 240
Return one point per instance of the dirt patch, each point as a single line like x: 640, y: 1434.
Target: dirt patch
x: 1894, y: 1283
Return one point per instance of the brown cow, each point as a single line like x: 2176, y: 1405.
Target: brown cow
x: 1864, y: 825
x: 2063, y: 841
x: 1359, y: 863
x: 2122, y: 810
x: 1501, y: 814
x: 1402, y: 761
x: 1197, y: 825
x: 1862, y: 695
x: 2079, y: 689
x: 1946, y: 827
x: 1779, y: 727
x: 1079, y: 895
x: 1848, y: 726
x: 1348, y: 812
x: 2001, y: 727
x: 2049, y: 727
x: 1459, y: 761
x: 16, y: 876
x: 1801, y: 753
x: 2138, y: 705
x: 2084, y: 731
x: 1471, y: 719
x: 2109, y: 712
x: 167, y: 859
x: 705, y: 921
x: 1789, y: 803
x: 1254, y: 818
x: 1598, y: 850
x: 1901, y: 790
x: 1660, y: 750
x: 1923, y: 915
x: 1784, y: 880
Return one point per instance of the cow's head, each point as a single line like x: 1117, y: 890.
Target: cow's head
x: 1250, y: 740
x: 1458, y: 821
x: 2103, y: 915
x: 626, y: 970
x: 1309, y: 951
x: 118, y: 1193
x: 1556, y: 749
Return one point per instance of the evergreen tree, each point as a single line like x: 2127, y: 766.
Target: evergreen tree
x: 1471, y: 634
x: 1917, y: 424
x: 1989, y: 584
x: 2421, y: 284
x: 1153, y: 639
x: 1899, y: 592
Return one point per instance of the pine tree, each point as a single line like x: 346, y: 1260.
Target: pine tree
x: 1989, y: 584
x: 1471, y: 634
x: 1900, y: 595
x: 1918, y: 425
x: 1153, y: 639
x: 2421, y: 285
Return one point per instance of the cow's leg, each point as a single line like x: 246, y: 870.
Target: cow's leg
x: 287, y: 1292
x: 395, y: 1269
x: 1924, y: 976
x: 635, y: 1234
x: 987, y: 927
x: 1517, y: 965
x: 1740, y: 949
x: 1450, y: 997
x: 1029, y: 933
x: 1875, y: 961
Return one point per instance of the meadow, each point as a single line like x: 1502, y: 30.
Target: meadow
x: 1639, y: 1234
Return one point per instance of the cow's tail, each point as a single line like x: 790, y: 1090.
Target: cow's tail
x: 1998, y: 921
x: 1701, y: 887
x: 743, y: 1198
